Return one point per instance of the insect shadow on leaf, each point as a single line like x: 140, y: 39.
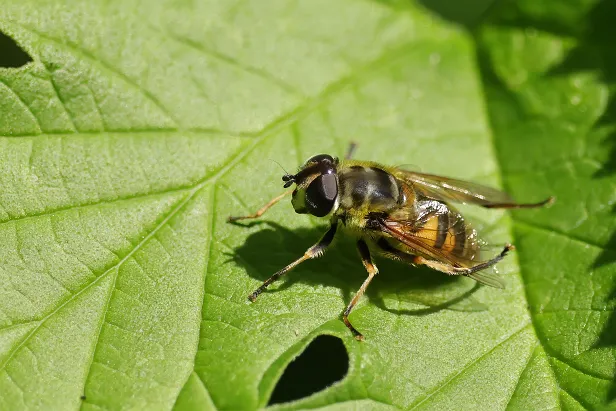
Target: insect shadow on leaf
x: 11, y: 55
x: 419, y: 290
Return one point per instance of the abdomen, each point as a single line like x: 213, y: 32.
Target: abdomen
x: 444, y: 229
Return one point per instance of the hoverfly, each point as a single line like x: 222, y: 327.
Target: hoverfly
x: 399, y: 214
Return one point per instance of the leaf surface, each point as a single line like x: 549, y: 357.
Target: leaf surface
x: 132, y: 136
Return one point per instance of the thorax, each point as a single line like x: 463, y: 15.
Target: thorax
x: 368, y: 188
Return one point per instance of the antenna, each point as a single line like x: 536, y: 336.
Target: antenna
x: 287, y: 178
x: 279, y: 165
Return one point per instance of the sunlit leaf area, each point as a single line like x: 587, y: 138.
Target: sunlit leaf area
x: 131, y: 130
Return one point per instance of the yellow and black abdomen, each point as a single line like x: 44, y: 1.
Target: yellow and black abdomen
x: 367, y: 188
x: 444, y: 229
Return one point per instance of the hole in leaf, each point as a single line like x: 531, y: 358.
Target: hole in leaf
x: 324, y: 362
x: 11, y: 55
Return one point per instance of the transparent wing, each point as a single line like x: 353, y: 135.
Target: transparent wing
x: 487, y: 278
x: 422, y: 243
x: 440, y: 227
x: 450, y: 189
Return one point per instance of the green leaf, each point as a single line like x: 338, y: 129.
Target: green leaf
x: 137, y: 129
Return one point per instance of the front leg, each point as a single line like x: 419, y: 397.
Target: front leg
x: 262, y: 210
x: 315, y: 251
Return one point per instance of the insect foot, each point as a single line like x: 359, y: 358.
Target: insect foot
x: 253, y: 297
x: 358, y: 336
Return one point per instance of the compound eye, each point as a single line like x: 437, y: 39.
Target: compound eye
x: 321, y: 195
x: 319, y: 158
x: 329, y: 186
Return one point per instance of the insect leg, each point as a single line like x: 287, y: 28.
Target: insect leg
x: 350, y: 150
x: 453, y: 270
x: 364, y: 252
x: 493, y: 261
x: 390, y: 252
x: 262, y: 210
x: 472, y: 272
x: 547, y: 201
x: 315, y: 251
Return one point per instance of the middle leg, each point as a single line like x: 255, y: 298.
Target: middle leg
x: 366, y: 259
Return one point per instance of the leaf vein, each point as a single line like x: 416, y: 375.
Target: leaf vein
x: 154, y: 131
x: 211, y: 53
x: 103, y: 64
x: 574, y: 398
x: 211, y: 224
x: 468, y: 366
x: 28, y: 108
x: 54, y: 86
x: 517, y: 384
x: 116, y: 267
x: 570, y: 236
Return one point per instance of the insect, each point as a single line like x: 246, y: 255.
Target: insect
x: 399, y: 214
